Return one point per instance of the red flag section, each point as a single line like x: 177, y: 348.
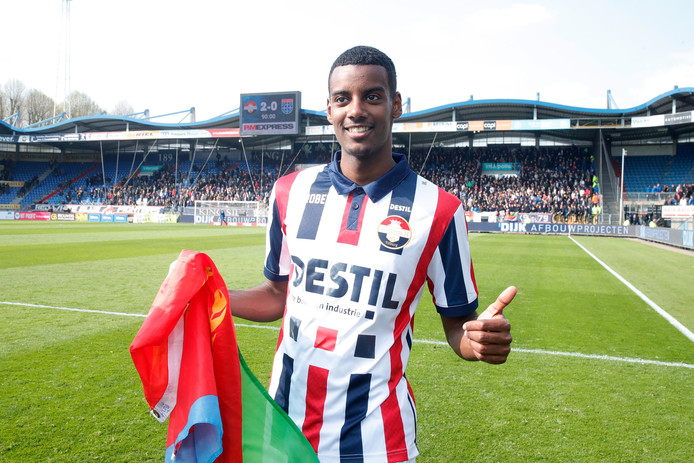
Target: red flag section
x: 188, y: 360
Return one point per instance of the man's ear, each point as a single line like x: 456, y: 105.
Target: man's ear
x: 397, y: 105
x: 330, y: 115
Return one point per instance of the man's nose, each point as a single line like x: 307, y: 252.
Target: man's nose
x: 357, y: 108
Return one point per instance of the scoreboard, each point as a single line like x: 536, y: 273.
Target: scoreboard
x: 270, y: 113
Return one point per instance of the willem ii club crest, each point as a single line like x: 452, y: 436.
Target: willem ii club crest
x: 394, y: 232
x: 250, y: 107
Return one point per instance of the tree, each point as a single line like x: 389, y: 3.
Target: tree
x: 14, y: 96
x: 122, y: 108
x: 3, y: 104
x: 81, y: 105
x: 39, y: 107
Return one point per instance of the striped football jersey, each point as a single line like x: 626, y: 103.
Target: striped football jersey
x: 356, y: 260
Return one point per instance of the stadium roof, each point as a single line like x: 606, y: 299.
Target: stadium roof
x: 523, y: 109
x: 584, y: 121
x: 580, y: 124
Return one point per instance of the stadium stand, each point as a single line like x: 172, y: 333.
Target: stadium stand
x: 84, y: 183
x: 556, y: 180
x: 559, y: 180
x: 645, y: 174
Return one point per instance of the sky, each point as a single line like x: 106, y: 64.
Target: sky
x: 169, y: 55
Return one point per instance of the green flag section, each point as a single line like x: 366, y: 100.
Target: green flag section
x: 269, y: 435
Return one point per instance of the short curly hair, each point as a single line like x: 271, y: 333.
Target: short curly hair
x: 365, y: 56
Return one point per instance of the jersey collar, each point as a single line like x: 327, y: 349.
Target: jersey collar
x: 377, y: 189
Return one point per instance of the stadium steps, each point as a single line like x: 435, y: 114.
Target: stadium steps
x: 609, y: 187
x: 72, y: 182
x: 41, y: 178
x: 668, y: 168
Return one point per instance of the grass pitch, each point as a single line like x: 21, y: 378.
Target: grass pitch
x: 596, y: 375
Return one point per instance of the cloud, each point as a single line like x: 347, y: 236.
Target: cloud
x: 675, y: 69
x: 506, y: 20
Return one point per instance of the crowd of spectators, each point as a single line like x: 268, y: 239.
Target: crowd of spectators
x: 683, y: 195
x: 5, y: 175
x: 6, y: 169
x: 553, y: 180
x: 556, y: 180
x: 223, y: 180
x: 167, y: 187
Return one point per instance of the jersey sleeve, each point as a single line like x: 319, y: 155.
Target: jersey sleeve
x: 277, y: 259
x: 450, y: 275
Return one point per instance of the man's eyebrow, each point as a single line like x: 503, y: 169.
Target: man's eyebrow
x: 375, y: 89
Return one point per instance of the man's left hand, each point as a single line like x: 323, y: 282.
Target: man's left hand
x: 489, y: 336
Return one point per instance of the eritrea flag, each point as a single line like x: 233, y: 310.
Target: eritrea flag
x: 192, y: 372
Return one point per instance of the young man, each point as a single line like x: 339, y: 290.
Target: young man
x: 350, y: 246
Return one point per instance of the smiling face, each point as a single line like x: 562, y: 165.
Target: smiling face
x: 362, y: 110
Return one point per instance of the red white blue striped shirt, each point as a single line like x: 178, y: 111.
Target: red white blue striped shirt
x: 356, y: 260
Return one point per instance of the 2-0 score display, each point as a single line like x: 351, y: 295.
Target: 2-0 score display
x: 270, y: 113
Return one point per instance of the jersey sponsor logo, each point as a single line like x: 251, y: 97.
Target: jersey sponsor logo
x: 313, y: 212
x: 394, y: 232
x: 398, y: 207
x: 340, y: 279
x: 314, y: 198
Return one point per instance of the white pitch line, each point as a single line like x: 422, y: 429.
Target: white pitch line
x: 122, y: 314
x: 583, y: 356
x: 605, y: 357
x: 673, y: 321
x: 419, y: 341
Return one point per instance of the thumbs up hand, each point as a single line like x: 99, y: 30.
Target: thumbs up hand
x: 489, y: 336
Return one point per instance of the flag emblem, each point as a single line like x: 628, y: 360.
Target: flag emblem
x: 250, y: 107
x: 287, y: 105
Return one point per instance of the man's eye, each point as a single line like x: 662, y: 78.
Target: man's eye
x: 340, y: 99
x: 373, y: 97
